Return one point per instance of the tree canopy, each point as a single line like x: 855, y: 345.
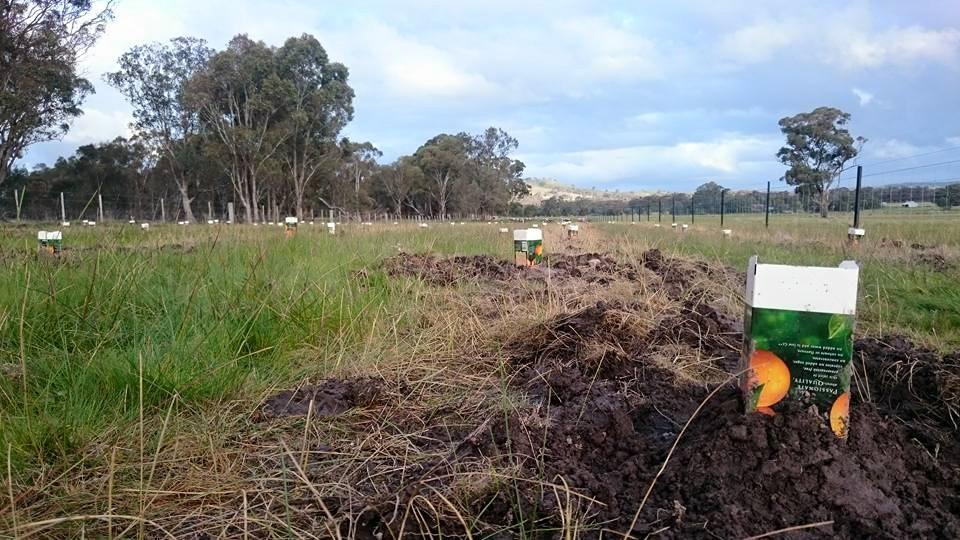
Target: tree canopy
x: 40, y: 88
x: 818, y: 147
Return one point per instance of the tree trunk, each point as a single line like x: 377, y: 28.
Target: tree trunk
x: 824, y: 202
x: 185, y: 200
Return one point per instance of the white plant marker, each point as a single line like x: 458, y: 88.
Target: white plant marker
x: 145, y: 226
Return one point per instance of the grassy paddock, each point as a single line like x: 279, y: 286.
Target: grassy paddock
x: 134, y: 342
x: 902, y: 289
x: 205, y: 313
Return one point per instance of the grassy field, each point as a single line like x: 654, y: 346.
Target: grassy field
x: 135, y: 341
x: 909, y: 279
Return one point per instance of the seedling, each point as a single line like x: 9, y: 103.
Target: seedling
x: 798, y: 338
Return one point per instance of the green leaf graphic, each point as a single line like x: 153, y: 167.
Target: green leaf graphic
x: 838, y: 324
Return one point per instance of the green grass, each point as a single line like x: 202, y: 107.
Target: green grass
x: 209, y: 315
x: 898, y: 292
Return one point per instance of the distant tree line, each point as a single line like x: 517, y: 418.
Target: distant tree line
x: 706, y: 200
x: 253, y: 125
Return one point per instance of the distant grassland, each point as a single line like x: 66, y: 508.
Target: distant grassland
x: 910, y: 265
x: 210, y: 314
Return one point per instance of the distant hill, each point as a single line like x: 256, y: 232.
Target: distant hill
x: 542, y: 189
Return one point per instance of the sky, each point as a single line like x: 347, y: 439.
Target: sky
x: 631, y: 95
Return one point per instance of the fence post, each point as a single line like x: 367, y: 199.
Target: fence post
x: 99, y: 206
x: 722, y: 193
x: 659, y: 210
x: 767, y: 217
x: 673, y: 208
x: 856, y: 199
x: 163, y: 212
x: 648, y: 210
x: 693, y: 212
x: 18, y: 200
x: 230, y: 215
x: 63, y: 209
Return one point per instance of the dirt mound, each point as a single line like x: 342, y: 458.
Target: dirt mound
x: 914, y: 384
x: 600, y: 337
x: 593, y: 267
x: 715, y: 336
x: 736, y: 475
x: 447, y: 271
x: 329, y: 398
x: 604, y: 414
x: 681, y: 275
x: 935, y: 261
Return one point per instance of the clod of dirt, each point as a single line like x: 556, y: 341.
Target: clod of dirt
x: 329, y: 398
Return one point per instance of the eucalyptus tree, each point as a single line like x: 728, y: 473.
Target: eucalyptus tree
x: 242, y: 101
x: 443, y: 160
x: 154, y: 80
x: 321, y: 104
x: 40, y: 89
x: 817, y: 149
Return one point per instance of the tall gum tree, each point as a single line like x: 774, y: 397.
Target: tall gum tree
x: 154, y: 79
x: 321, y: 104
x: 818, y: 147
x: 242, y: 101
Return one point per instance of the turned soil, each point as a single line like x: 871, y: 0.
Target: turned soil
x: 599, y: 400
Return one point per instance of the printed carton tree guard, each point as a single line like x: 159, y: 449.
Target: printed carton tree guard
x: 798, y: 338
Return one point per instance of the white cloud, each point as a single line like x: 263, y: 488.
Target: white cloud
x: 953, y: 141
x: 863, y: 96
x: 96, y: 125
x: 902, y: 46
x: 759, y: 42
x: 727, y: 156
x: 895, y: 149
x: 846, y: 38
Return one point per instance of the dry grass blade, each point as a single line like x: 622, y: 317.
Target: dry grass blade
x: 790, y: 529
x: 38, y: 526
